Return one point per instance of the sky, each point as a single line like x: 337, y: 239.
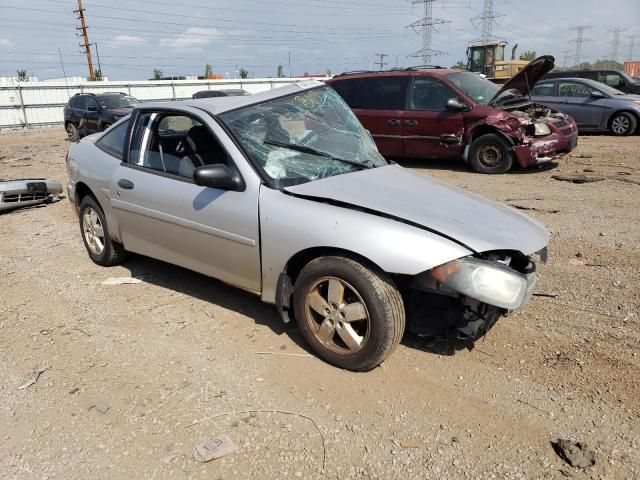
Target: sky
x: 305, y: 36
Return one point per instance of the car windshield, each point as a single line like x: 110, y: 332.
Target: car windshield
x: 606, y: 89
x: 474, y: 86
x: 117, y: 101
x: 303, y: 137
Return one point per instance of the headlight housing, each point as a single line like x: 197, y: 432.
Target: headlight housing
x: 541, y: 129
x: 487, y: 281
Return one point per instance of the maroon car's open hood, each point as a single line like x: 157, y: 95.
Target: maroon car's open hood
x: 526, y: 78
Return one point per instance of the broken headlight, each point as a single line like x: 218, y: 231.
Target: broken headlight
x: 541, y: 129
x: 487, y: 281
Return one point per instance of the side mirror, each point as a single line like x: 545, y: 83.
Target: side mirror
x: 597, y: 94
x: 455, y: 104
x: 218, y: 176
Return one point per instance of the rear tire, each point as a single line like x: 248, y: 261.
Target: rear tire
x: 491, y: 154
x: 72, y: 132
x: 351, y: 316
x: 95, y: 235
x: 623, y: 124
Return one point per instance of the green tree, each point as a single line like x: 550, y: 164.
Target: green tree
x: 99, y: 76
x: 528, y: 55
x: 460, y: 64
x: 243, y: 73
x: 208, y: 71
x: 280, y: 72
x: 157, y: 74
x: 23, y: 76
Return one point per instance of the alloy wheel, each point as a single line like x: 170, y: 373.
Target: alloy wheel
x: 93, y: 231
x: 620, y: 124
x: 337, y: 315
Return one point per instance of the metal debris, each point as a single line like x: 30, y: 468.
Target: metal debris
x: 33, y: 378
x: 577, y: 178
x: 576, y: 454
x: 121, y: 281
x: 208, y: 449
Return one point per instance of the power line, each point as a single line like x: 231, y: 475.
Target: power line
x: 382, y: 63
x: 615, y: 45
x: 427, y: 25
x: 579, y: 40
x: 86, y: 45
x: 487, y: 18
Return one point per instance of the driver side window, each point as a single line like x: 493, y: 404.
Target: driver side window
x: 92, y: 105
x: 430, y: 94
x: 570, y: 89
x: 173, y: 143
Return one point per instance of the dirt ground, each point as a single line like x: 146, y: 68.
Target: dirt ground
x: 130, y: 367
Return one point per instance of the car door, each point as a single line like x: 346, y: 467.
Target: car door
x: 380, y: 108
x: 92, y: 115
x: 163, y: 214
x: 580, y: 102
x: 429, y: 128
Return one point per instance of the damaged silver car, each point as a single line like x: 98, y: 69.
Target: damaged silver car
x: 285, y: 195
x: 27, y: 192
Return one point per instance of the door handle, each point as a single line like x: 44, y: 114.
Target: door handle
x: 394, y: 122
x: 125, y: 184
x: 411, y: 123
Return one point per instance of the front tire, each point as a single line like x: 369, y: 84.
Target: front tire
x: 351, y: 316
x: 95, y: 235
x: 623, y: 124
x: 72, y: 132
x: 491, y: 154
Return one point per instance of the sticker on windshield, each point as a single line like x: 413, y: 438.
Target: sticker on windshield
x: 308, y: 84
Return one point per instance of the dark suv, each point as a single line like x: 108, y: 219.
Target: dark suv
x: 614, y: 78
x: 88, y: 113
x: 432, y: 112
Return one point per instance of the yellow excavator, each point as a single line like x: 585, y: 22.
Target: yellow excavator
x: 488, y: 59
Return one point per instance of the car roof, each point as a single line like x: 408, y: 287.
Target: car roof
x: 421, y: 71
x: 219, y: 105
x: 586, y: 81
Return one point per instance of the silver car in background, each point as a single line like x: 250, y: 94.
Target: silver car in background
x: 285, y: 195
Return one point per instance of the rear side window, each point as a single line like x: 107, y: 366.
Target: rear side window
x: 383, y: 93
x: 80, y: 102
x: 543, y: 90
x: 348, y: 90
x: 113, y: 141
x: 570, y: 89
x: 612, y: 79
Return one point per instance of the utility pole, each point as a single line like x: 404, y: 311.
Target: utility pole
x: 382, y: 63
x: 615, y: 45
x: 579, y: 40
x: 86, y: 45
x: 427, y: 25
x: 632, y: 44
x: 487, y: 19
x: 98, y: 55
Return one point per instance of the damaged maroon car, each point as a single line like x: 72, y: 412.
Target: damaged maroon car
x: 432, y: 112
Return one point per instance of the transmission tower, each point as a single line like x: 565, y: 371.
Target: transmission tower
x: 566, y: 56
x: 487, y: 19
x: 427, y: 25
x: 632, y: 44
x: 615, y: 45
x: 382, y: 63
x: 86, y: 45
x: 579, y: 41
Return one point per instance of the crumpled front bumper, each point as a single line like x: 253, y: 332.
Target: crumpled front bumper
x: 537, y: 150
x: 27, y: 192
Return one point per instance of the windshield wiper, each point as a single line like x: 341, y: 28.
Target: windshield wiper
x: 313, y: 151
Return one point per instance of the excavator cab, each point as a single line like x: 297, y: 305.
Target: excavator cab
x: 488, y: 59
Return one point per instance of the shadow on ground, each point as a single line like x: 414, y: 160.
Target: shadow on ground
x: 457, y: 165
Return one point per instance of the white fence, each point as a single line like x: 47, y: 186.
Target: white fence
x: 26, y: 104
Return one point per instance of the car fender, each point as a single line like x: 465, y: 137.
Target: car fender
x: 290, y: 224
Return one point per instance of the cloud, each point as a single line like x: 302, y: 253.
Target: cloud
x: 191, y: 37
x: 126, y: 40
x: 5, y: 42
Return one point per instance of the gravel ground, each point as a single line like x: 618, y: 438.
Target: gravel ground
x: 130, y: 367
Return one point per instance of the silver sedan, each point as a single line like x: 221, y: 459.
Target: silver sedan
x: 284, y: 194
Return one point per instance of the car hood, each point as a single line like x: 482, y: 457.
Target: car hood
x: 525, y: 79
x: 468, y: 219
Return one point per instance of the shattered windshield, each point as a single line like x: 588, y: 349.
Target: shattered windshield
x: 474, y: 86
x: 117, y: 101
x: 304, y: 137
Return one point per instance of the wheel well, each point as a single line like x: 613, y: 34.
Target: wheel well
x: 487, y: 129
x: 631, y: 112
x: 82, y: 190
x: 300, y: 259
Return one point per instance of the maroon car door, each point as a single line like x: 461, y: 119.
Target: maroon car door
x: 429, y: 127
x: 380, y: 108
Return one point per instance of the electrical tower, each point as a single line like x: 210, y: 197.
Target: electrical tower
x: 85, y: 37
x: 579, y: 41
x: 566, y: 56
x: 487, y: 19
x: 427, y: 25
x: 615, y: 45
x: 632, y: 44
x: 382, y: 63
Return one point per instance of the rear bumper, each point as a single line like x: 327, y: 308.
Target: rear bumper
x: 28, y: 192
